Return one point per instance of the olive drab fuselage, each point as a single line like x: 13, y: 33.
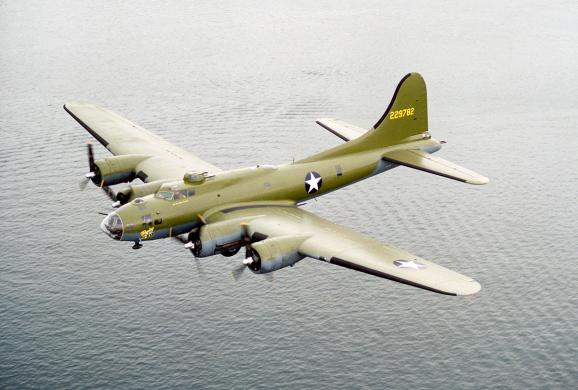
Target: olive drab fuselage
x: 153, y: 217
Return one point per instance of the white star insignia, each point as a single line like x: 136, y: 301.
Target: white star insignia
x: 313, y: 183
x: 408, y: 264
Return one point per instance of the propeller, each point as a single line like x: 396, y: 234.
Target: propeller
x: 247, y: 239
x: 237, y: 272
x: 110, y: 193
x: 90, y: 175
x: 91, y: 166
x: 187, y: 242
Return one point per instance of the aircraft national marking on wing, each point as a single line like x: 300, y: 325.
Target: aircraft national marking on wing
x: 409, y: 264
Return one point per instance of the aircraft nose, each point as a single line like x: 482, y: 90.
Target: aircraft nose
x: 112, y: 226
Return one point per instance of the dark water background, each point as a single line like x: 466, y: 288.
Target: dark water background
x: 241, y: 83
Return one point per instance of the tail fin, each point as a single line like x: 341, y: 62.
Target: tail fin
x: 405, y: 118
x: 406, y: 114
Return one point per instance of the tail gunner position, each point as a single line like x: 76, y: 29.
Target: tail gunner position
x: 220, y: 212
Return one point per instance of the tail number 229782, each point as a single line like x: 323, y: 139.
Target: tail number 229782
x: 401, y: 113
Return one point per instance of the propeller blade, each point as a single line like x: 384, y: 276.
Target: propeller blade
x: 83, y: 183
x: 90, y: 157
x: 109, y: 192
x: 245, y: 229
x: 247, y: 239
x: 270, y: 277
x: 181, y: 239
x: 248, y: 253
x: 199, y: 268
x: 197, y: 261
x: 91, y: 167
x: 238, y: 271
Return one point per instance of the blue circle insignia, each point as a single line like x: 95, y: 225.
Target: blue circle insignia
x: 313, y: 182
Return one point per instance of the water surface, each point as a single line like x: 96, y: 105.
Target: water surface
x: 241, y: 83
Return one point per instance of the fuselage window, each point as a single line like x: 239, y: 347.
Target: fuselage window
x: 147, y: 221
x: 338, y: 170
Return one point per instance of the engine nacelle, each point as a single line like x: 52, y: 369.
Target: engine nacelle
x: 116, y: 169
x: 275, y: 253
x: 214, y: 237
x: 133, y: 191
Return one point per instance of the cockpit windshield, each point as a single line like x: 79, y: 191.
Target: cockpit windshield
x: 174, y: 192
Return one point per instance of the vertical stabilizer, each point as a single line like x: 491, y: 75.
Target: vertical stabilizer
x: 406, y: 114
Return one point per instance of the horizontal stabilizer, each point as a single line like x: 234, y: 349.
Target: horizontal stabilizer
x: 343, y: 130
x: 423, y: 161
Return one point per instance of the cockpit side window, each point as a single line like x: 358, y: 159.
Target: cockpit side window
x: 173, y: 193
x: 168, y: 195
x: 180, y: 195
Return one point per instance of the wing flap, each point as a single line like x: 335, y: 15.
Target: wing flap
x: 424, y: 161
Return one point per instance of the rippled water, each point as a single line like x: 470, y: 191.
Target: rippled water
x: 241, y: 83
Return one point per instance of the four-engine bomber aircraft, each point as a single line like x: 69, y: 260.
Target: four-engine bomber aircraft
x: 219, y: 212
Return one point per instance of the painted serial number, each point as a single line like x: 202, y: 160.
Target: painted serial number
x: 401, y: 113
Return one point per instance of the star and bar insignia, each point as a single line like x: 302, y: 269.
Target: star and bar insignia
x: 408, y: 264
x: 313, y: 182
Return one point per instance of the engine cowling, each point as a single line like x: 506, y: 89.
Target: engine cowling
x: 133, y: 191
x: 211, y: 239
x: 116, y: 169
x: 275, y: 253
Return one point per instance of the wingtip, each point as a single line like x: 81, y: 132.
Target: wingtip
x: 462, y: 286
x: 69, y: 106
x: 468, y: 288
x: 480, y: 180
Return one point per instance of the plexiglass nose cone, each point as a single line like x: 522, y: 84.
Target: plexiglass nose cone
x: 112, y: 226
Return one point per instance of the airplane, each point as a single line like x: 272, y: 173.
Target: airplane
x: 257, y: 208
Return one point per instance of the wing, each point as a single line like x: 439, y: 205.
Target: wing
x: 338, y: 245
x: 121, y: 137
